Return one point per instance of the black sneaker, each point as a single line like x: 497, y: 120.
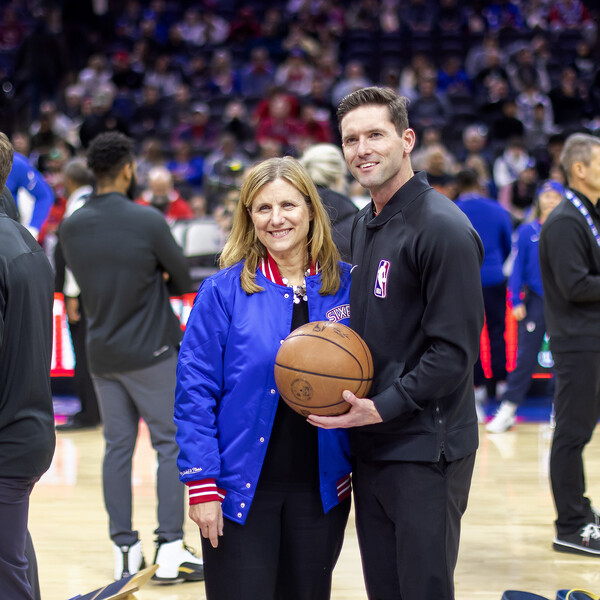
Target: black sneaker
x: 584, y: 541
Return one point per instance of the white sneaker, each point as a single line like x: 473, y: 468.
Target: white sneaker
x: 504, y: 418
x: 128, y: 560
x: 480, y: 398
x: 176, y: 563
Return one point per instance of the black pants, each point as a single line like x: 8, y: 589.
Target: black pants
x: 408, y: 522
x: 494, y: 302
x: 286, y: 550
x: 81, y: 377
x: 577, y: 408
x: 14, y: 511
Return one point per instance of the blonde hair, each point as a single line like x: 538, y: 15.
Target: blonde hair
x: 243, y: 243
x: 326, y: 166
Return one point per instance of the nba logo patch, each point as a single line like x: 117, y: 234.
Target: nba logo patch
x: 381, y: 280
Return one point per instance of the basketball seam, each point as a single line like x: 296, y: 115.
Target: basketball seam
x: 323, y: 374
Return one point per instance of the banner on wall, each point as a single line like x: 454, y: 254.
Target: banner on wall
x: 63, y: 357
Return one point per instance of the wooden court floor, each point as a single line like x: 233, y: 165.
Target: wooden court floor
x: 506, y: 538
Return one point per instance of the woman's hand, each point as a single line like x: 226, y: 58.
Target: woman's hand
x: 209, y: 518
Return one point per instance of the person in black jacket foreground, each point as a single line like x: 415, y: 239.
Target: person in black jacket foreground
x: 570, y: 265
x: 26, y: 414
x: 127, y: 264
x: 416, y: 299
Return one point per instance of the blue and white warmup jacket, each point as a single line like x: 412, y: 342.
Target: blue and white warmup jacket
x: 226, y: 398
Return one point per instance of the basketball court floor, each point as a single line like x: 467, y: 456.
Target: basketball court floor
x: 506, y: 538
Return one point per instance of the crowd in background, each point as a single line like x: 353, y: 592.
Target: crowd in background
x: 207, y: 88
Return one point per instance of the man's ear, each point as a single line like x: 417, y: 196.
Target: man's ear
x: 409, y: 139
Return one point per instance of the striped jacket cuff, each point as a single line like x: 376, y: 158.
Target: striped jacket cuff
x: 344, y: 487
x: 205, y: 490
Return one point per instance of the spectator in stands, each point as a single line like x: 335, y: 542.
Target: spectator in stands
x: 280, y: 124
x: 505, y: 127
x: 236, y: 121
x: 162, y: 195
x: 149, y: 118
x: 327, y: 167
x: 570, y: 101
x: 244, y: 28
x: 421, y: 17
x: 163, y: 77
x: 538, y: 131
x: 480, y: 56
x: 102, y: 118
x: 223, y: 170
x: 523, y: 71
x: 493, y: 225
x: 186, y: 168
x: 475, y: 154
x: 124, y: 77
x: 518, y: 196
x: 511, y: 162
x: 354, y: 78
x: 224, y: 79
x: 411, y: 74
x: 572, y: 15
x: 428, y: 109
x: 526, y: 294
x: 96, y: 76
x: 258, y: 74
x: 452, y: 80
x: 196, y: 75
x: 295, y: 74
x: 530, y: 97
x: 503, y: 14
x: 196, y: 128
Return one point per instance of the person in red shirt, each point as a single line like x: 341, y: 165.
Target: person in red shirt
x: 162, y: 195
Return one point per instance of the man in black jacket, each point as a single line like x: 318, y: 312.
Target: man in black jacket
x: 26, y: 415
x: 416, y: 300
x: 570, y: 266
x: 127, y: 264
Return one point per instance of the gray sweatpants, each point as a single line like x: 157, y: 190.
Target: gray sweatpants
x: 148, y: 393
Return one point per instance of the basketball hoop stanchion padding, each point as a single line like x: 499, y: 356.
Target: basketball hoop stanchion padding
x: 120, y: 590
x: 317, y: 362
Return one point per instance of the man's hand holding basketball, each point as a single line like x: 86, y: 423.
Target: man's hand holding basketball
x: 209, y: 518
x: 362, y: 412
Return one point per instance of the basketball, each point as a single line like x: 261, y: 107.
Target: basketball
x: 317, y: 362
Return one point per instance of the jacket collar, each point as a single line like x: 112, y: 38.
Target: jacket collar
x: 414, y: 187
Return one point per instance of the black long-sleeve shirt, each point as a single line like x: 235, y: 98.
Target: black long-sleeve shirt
x: 118, y: 252
x: 416, y: 299
x: 26, y: 296
x: 570, y: 267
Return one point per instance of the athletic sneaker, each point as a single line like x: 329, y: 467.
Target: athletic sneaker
x: 176, y: 563
x: 504, y: 418
x: 128, y: 560
x: 584, y: 541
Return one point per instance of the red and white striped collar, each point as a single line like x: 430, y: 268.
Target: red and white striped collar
x: 270, y: 270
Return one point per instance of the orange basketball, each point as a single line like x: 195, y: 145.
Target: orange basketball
x: 317, y: 362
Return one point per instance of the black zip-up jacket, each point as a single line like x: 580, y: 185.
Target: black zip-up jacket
x: 26, y: 295
x: 416, y: 299
x: 118, y: 252
x: 570, y: 267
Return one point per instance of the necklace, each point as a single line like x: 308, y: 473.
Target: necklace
x: 299, y: 290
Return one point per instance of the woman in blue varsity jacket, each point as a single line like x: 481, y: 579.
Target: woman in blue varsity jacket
x: 269, y: 492
x: 525, y: 286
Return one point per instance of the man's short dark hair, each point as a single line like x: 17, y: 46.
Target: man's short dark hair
x: 7, y: 153
x: 77, y: 171
x: 467, y: 179
x: 108, y: 153
x: 382, y: 96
